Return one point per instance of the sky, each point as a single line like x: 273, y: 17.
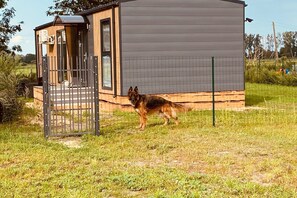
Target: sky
x: 263, y: 12
x: 33, y: 14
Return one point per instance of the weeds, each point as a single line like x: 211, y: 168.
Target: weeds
x: 267, y: 72
x: 10, y: 105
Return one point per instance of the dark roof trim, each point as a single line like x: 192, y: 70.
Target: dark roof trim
x: 236, y: 1
x: 233, y: 1
x: 99, y: 8
x: 43, y: 26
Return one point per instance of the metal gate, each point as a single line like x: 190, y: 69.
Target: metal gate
x: 70, y: 96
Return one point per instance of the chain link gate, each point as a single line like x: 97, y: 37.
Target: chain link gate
x: 70, y: 96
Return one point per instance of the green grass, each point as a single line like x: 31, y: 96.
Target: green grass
x: 26, y: 70
x: 250, y: 153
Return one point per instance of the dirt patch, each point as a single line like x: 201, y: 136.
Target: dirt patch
x: 38, y: 119
x: 261, y: 180
x: 246, y: 109
x: 70, y: 142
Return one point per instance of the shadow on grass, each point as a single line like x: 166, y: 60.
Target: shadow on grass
x: 253, y: 100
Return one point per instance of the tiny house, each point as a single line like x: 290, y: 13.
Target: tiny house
x: 162, y: 46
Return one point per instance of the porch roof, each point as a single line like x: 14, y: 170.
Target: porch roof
x: 69, y: 20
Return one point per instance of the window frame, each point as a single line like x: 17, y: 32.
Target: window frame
x: 61, y: 55
x: 106, y: 21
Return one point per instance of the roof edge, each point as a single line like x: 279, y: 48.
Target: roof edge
x: 98, y: 8
x: 40, y: 27
x: 236, y: 1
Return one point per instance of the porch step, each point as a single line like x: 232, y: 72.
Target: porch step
x: 62, y: 90
x: 63, y: 96
x: 72, y: 101
x: 71, y: 96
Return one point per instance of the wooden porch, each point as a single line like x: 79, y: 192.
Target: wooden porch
x: 107, y: 102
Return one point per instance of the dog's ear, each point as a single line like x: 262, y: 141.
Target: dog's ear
x: 136, y: 89
x: 130, y: 90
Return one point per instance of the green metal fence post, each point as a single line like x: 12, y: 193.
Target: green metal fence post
x: 213, y: 93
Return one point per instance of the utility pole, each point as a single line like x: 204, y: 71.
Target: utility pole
x: 275, y: 42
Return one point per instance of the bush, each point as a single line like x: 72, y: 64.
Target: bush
x: 10, y: 105
x: 267, y: 73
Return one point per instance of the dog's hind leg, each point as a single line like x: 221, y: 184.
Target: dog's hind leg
x: 166, y: 118
x: 174, y: 116
x: 176, y: 120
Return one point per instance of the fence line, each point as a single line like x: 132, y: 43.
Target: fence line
x: 214, y: 87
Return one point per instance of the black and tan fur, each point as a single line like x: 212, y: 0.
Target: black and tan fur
x: 146, y: 104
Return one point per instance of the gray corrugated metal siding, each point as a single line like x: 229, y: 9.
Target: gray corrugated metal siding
x: 188, y: 28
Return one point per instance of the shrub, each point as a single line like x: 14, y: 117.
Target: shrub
x: 268, y: 73
x: 10, y: 105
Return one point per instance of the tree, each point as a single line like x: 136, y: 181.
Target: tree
x: 7, y: 30
x: 269, y: 51
x: 258, y: 47
x: 249, y: 42
x: 289, y: 48
x: 29, y: 58
x: 253, y: 45
x: 270, y: 42
x: 73, y: 6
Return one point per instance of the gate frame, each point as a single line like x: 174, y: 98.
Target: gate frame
x: 47, y: 104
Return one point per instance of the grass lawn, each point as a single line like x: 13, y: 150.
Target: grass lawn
x: 250, y: 153
x: 26, y: 70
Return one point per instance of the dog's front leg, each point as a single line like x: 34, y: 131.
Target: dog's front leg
x: 140, y: 118
x: 144, y: 120
x: 140, y: 122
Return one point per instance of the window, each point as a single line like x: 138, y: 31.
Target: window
x: 61, y: 55
x: 106, y: 54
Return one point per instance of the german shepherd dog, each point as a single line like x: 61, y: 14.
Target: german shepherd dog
x: 145, y: 104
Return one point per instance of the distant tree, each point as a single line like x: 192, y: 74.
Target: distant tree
x: 7, y: 30
x: 249, y: 42
x: 258, y: 46
x: 279, y: 40
x: 270, y: 42
x: 289, y: 48
x: 253, y: 45
x: 268, y: 52
x: 29, y: 58
x: 70, y: 7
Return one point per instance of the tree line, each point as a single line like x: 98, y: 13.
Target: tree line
x: 259, y: 47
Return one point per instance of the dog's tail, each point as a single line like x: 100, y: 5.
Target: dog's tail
x: 180, y: 107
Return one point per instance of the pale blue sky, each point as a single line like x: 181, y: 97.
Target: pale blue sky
x: 33, y: 13
x: 283, y: 12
